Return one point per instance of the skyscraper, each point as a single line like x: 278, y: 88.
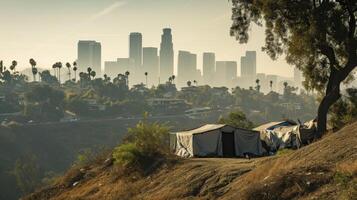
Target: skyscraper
x: 209, y: 65
x: 220, y: 73
x: 136, y: 49
x: 249, y: 64
x: 186, y: 67
x: 121, y: 65
x: 151, y: 64
x: 166, y: 55
x: 248, y: 69
x: 231, y: 73
x: 90, y: 55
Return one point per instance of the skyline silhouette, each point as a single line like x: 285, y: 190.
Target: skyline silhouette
x: 48, y: 32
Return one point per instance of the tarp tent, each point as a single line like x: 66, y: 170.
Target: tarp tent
x: 285, y: 134
x: 217, y: 140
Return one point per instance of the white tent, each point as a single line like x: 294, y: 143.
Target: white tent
x: 217, y: 140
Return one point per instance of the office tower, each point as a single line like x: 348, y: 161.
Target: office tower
x: 263, y: 82
x: 89, y: 55
x: 136, y: 49
x: 248, y: 69
x: 220, y: 73
x: 120, y: 66
x: 209, y: 65
x: 186, y: 67
x: 166, y: 55
x: 151, y: 64
x: 231, y: 73
x: 249, y: 64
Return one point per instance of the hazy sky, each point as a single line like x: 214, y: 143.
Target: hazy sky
x: 48, y: 30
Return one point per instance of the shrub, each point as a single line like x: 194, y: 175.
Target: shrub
x: 126, y: 154
x: 144, y: 144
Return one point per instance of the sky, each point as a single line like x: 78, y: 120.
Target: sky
x: 48, y: 30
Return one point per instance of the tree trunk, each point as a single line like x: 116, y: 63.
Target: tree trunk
x: 332, y: 95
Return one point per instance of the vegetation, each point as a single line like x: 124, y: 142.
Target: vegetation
x: 237, y: 119
x: 145, y: 143
x: 318, y: 37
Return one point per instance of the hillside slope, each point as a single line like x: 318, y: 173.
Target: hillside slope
x: 326, y: 169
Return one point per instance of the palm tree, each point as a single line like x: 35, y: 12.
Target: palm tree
x: 54, y: 66
x: 89, y: 70
x: 173, y: 78
x: 68, y: 65
x: 285, y: 84
x: 75, y: 71
x: 34, y: 73
x: 189, y: 83
x: 271, y: 85
x: 146, y: 77
x: 195, y: 82
x: 33, y: 66
x: 93, y: 74
x: 59, y: 66
x: 13, y: 65
x: 258, y: 86
x: 127, y: 73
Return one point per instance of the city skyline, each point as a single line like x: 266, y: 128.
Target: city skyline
x: 109, y: 22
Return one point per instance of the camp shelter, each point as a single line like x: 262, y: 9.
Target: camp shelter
x: 273, y: 125
x: 285, y: 134
x: 217, y: 140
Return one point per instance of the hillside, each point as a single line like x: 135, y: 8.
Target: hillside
x: 326, y: 169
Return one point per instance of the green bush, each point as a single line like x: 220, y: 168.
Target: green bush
x: 126, y: 154
x: 144, y: 143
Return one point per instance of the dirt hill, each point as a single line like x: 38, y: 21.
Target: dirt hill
x: 326, y: 169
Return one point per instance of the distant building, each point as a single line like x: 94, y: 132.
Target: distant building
x: 226, y: 73
x: 186, y: 67
x: 120, y: 66
x: 89, y: 55
x: 151, y: 64
x: 136, y: 49
x: 248, y: 69
x: 231, y: 73
x: 166, y: 55
x: 209, y: 67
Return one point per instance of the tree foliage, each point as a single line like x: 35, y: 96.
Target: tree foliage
x: 318, y: 36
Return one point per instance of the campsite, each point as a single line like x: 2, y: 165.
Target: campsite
x: 221, y: 140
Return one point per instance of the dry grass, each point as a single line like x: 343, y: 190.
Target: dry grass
x: 323, y: 170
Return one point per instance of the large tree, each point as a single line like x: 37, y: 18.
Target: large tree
x: 317, y: 36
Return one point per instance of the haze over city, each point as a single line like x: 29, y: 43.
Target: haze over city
x: 49, y: 31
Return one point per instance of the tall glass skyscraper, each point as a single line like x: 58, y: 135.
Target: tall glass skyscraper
x: 136, y: 48
x: 209, y: 67
x: 166, y: 55
x: 90, y: 55
x: 151, y: 64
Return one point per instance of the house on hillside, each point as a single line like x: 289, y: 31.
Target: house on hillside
x: 216, y: 140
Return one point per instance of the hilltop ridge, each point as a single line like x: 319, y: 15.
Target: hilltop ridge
x: 326, y: 169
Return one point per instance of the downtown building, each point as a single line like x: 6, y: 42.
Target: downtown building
x: 248, y: 69
x: 226, y: 74
x: 136, y: 55
x: 89, y: 55
x: 166, y: 56
x: 209, y: 68
x: 120, y: 66
x: 187, y: 68
x: 151, y: 65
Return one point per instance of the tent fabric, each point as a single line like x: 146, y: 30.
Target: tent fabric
x: 279, y: 135
x: 207, y: 141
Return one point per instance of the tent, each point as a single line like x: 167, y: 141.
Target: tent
x: 285, y: 134
x: 217, y: 140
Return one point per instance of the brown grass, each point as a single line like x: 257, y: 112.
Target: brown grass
x: 323, y: 170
